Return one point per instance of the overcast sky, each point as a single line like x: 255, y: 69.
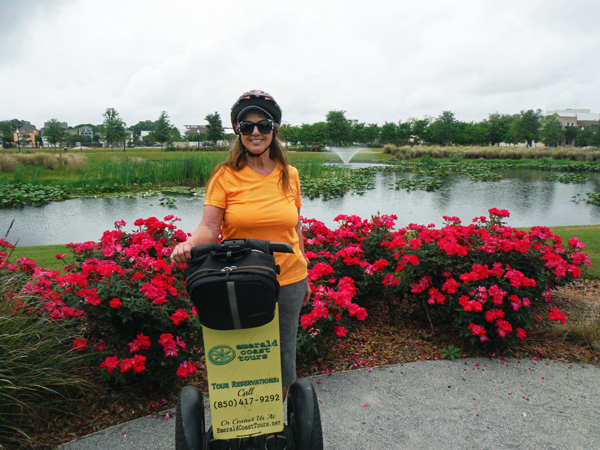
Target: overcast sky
x: 377, y: 60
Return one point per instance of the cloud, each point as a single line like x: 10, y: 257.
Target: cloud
x: 378, y: 61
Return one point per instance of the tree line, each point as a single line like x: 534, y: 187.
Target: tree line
x: 526, y: 127
x: 113, y: 131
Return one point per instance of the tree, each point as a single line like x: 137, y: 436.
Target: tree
x: 357, y: 133
x: 443, y: 129
x: 389, y: 133
x: 499, y: 127
x: 162, y: 131
x: 54, y: 132
x: 113, y: 127
x: 338, y: 127
x: 196, y: 137
x: 214, y: 129
x: 288, y: 134
x: 175, y: 134
x: 6, y: 132
x: 312, y: 134
x: 589, y: 136
x: 15, y: 124
x: 551, y: 132
x: 527, y: 126
x: 143, y: 125
x: 471, y: 133
x: 404, y: 132
x: 371, y: 133
x: 418, y: 129
x: 572, y: 135
x: 24, y: 140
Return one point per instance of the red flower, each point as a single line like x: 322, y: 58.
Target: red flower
x: 80, y: 344
x: 60, y: 256
x: 90, y: 296
x: 139, y: 363
x: 169, y: 345
x: 110, y: 363
x: 340, y: 331
x: 390, y: 279
x: 115, y: 303
x: 450, y: 286
x: 521, y: 333
x: 126, y: 365
x: 576, y: 242
x: 140, y: 342
x: 499, y: 212
x: 503, y: 327
x: 185, y: 369
x: 179, y: 316
x: 557, y: 315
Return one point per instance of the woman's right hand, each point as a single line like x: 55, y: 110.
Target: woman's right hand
x: 182, y: 253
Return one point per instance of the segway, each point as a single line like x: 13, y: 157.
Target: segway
x: 233, y: 286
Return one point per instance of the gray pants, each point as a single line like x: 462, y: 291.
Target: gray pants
x: 290, y: 302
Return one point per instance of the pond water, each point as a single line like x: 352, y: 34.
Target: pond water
x: 528, y: 195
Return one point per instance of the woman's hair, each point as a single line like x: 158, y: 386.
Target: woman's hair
x: 237, y: 158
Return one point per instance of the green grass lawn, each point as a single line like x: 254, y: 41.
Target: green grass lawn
x: 590, y: 235
x: 44, y: 255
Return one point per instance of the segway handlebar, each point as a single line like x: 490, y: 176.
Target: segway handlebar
x: 280, y: 247
x: 237, y: 245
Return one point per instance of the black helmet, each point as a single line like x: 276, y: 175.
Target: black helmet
x: 255, y: 99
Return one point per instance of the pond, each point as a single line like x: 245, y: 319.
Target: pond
x: 529, y: 196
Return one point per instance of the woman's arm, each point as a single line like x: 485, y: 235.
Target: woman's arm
x: 206, y: 233
x: 301, y: 245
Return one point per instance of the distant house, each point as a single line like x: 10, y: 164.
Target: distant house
x: 580, y: 118
x: 193, y: 129
x: 86, y: 131
x: 26, y: 129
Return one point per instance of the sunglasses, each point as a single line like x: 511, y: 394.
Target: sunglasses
x: 264, y: 126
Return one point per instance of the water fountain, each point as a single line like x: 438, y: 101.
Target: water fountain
x: 345, y: 153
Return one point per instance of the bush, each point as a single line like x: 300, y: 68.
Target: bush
x: 489, y: 281
x: 8, y: 163
x: 39, y: 366
x: 75, y: 162
x: 137, y: 313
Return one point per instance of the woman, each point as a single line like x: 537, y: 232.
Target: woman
x: 255, y: 194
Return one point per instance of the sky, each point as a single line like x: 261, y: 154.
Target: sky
x: 376, y: 60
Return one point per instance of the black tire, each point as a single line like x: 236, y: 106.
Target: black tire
x: 189, y: 421
x: 304, y: 418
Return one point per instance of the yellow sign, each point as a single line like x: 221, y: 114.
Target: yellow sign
x: 244, y: 380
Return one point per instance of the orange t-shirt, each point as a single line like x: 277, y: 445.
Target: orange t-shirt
x: 257, y: 207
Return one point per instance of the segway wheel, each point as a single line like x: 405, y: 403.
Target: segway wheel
x: 304, y: 418
x: 189, y: 421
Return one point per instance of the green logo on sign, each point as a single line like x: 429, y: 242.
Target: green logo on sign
x: 221, y: 354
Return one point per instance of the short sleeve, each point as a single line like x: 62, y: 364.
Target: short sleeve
x: 296, y: 182
x: 216, y: 192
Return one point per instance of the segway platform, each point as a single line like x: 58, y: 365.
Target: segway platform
x: 233, y: 285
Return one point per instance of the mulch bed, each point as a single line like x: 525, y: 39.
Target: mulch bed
x: 378, y: 342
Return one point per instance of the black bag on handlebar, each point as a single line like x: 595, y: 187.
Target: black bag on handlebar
x: 233, y: 284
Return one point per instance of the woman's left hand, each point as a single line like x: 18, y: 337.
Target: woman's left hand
x: 306, y: 296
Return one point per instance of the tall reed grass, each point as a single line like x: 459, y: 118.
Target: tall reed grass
x: 128, y: 171
x: 309, y: 167
x: 8, y: 163
x: 560, y: 153
x: 50, y: 161
x: 38, y: 367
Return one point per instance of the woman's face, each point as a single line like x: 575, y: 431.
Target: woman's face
x: 256, y: 142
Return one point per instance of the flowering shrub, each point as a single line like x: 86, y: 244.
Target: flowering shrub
x: 490, y: 281
x: 133, y: 303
